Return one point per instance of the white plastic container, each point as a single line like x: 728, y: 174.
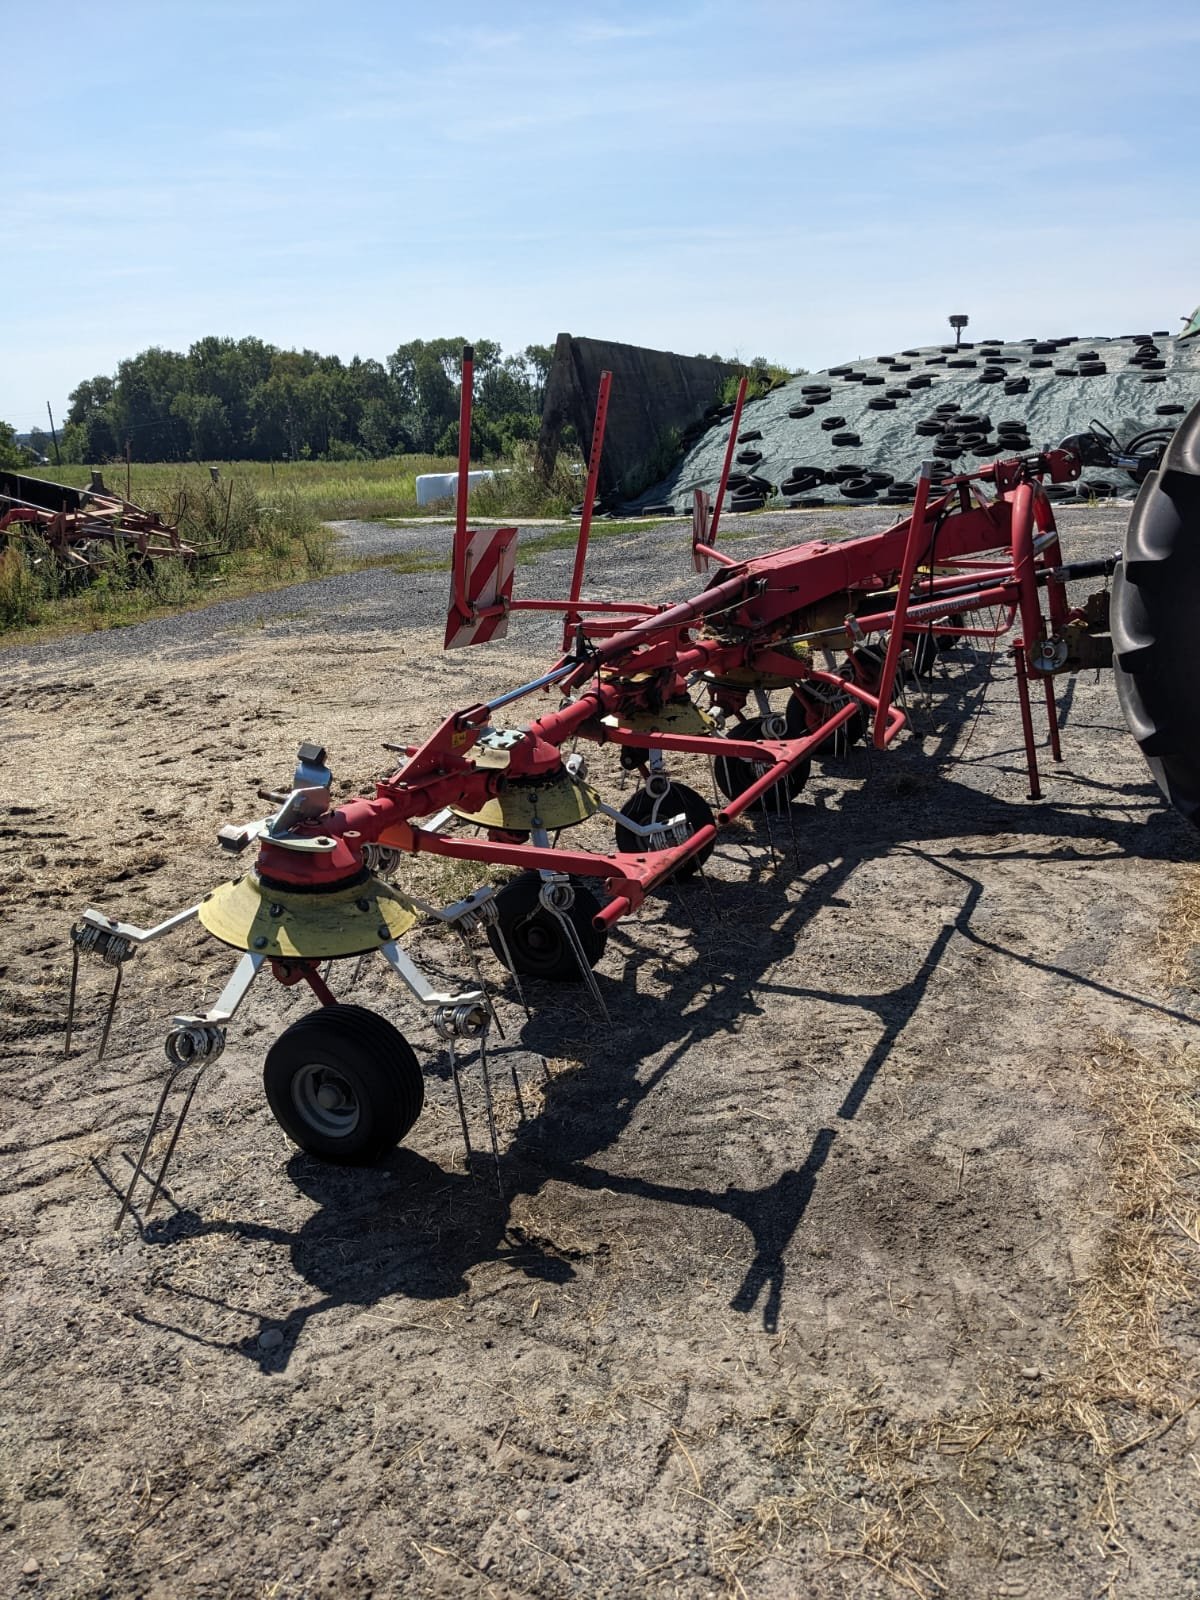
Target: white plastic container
x: 433, y: 486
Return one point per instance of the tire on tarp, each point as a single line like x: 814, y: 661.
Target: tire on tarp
x: 1155, y: 607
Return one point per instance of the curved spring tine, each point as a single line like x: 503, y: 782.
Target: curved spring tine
x: 462, y: 1110
x: 589, y: 977
x: 156, y: 1187
x: 112, y: 1006
x: 512, y: 971
x: 491, y: 1116
x: 139, y: 1165
x: 71, y: 998
x: 480, y: 981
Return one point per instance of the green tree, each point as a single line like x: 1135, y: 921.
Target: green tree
x: 12, y: 454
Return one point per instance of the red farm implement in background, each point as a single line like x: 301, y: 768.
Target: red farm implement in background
x: 779, y: 658
x: 84, y: 528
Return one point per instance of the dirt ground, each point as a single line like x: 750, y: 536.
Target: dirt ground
x: 851, y: 1259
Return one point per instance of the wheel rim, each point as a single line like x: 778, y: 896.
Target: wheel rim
x: 538, y: 941
x: 325, y: 1098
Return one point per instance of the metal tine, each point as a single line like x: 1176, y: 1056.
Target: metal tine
x: 512, y: 971
x: 140, y: 1163
x: 358, y: 968
x: 108, y: 1020
x: 707, y: 881
x: 491, y: 1115
x: 156, y: 1190
x: 791, y: 822
x: 589, y: 977
x: 764, y: 806
x: 480, y: 980
x: 462, y: 1110
x: 71, y: 998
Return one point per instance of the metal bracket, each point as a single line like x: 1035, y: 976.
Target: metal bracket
x: 114, y: 942
x: 194, y: 1042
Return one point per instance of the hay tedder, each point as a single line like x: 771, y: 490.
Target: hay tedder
x: 777, y: 660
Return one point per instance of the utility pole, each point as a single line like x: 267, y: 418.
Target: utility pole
x: 958, y: 323
x: 53, y: 435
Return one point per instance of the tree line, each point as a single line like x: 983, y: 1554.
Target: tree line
x: 244, y: 399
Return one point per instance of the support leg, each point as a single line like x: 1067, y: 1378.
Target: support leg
x: 1018, y: 650
x: 1052, y: 718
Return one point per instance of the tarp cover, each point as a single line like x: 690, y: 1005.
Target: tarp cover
x: 1126, y: 397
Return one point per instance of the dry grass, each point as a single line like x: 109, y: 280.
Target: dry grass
x: 901, y: 1494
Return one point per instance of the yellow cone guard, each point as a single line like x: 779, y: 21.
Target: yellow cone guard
x: 276, y: 922
x: 677, y: 716
x: 527, y: 803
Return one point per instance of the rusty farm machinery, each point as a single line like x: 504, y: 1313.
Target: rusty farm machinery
x: 83, y: 530
x: 776, y: 660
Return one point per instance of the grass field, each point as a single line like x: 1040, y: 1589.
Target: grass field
x: 327, y: 489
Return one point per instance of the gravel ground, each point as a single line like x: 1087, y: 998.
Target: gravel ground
x: 652, y: 561
x: 786, y: 1294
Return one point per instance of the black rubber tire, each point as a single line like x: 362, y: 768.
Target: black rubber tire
x: 749, y: 436
x: 1169, y: 411
x: 749, y: 458
x: 639, y: 808
x: 1155, y: 377
x: 1041, y: 363
x: 828, y: 424
x: 881, y: 403
x: 358, y: 1056
x: 537, y: 944
x: 800, y: 411
x: 1155, y: 603
x: 845, y: 439
x: 859, y: 489
x: 734, y: 776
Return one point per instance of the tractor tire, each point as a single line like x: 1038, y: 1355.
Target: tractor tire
x: 1155, y: 603
x: 343, y: 1084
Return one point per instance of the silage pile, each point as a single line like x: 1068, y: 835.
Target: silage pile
x: 858, y: 432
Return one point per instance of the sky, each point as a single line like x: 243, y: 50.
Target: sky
x: 804, y: 181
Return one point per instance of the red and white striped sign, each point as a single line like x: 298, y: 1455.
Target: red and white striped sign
x: 479, y: 605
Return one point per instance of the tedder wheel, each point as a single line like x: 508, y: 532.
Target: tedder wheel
x: 640, y: 807
x: 537, y: 941
x: 923, y: 647
x: 343, y: 1084
x: 837, y: 745
x: 1155, y: 603
x: 734, y: 776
